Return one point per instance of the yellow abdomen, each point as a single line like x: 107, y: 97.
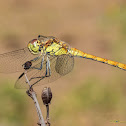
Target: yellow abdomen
x: 77, y: 53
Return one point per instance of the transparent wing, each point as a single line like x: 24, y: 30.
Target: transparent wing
x: 12, y: 61
x: 60, y: 66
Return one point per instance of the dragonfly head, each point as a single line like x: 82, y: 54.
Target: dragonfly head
x: 34, y: 46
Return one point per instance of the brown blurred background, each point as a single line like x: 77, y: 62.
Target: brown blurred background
x: 93, y: 94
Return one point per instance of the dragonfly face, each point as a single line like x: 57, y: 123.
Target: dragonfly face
x: 34, y: 46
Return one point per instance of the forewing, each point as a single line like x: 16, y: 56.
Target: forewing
x: 60, y: 66
x: 12, y: 61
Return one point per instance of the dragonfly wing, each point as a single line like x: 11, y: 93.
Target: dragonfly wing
x: 21, y: 81
x: 12, y: 61
x: 60, y: 66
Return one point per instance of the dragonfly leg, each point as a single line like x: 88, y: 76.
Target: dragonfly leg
x: 40, y: 65
x: 35, y: 59
x: 48, y: 67
x: 47, y: 74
